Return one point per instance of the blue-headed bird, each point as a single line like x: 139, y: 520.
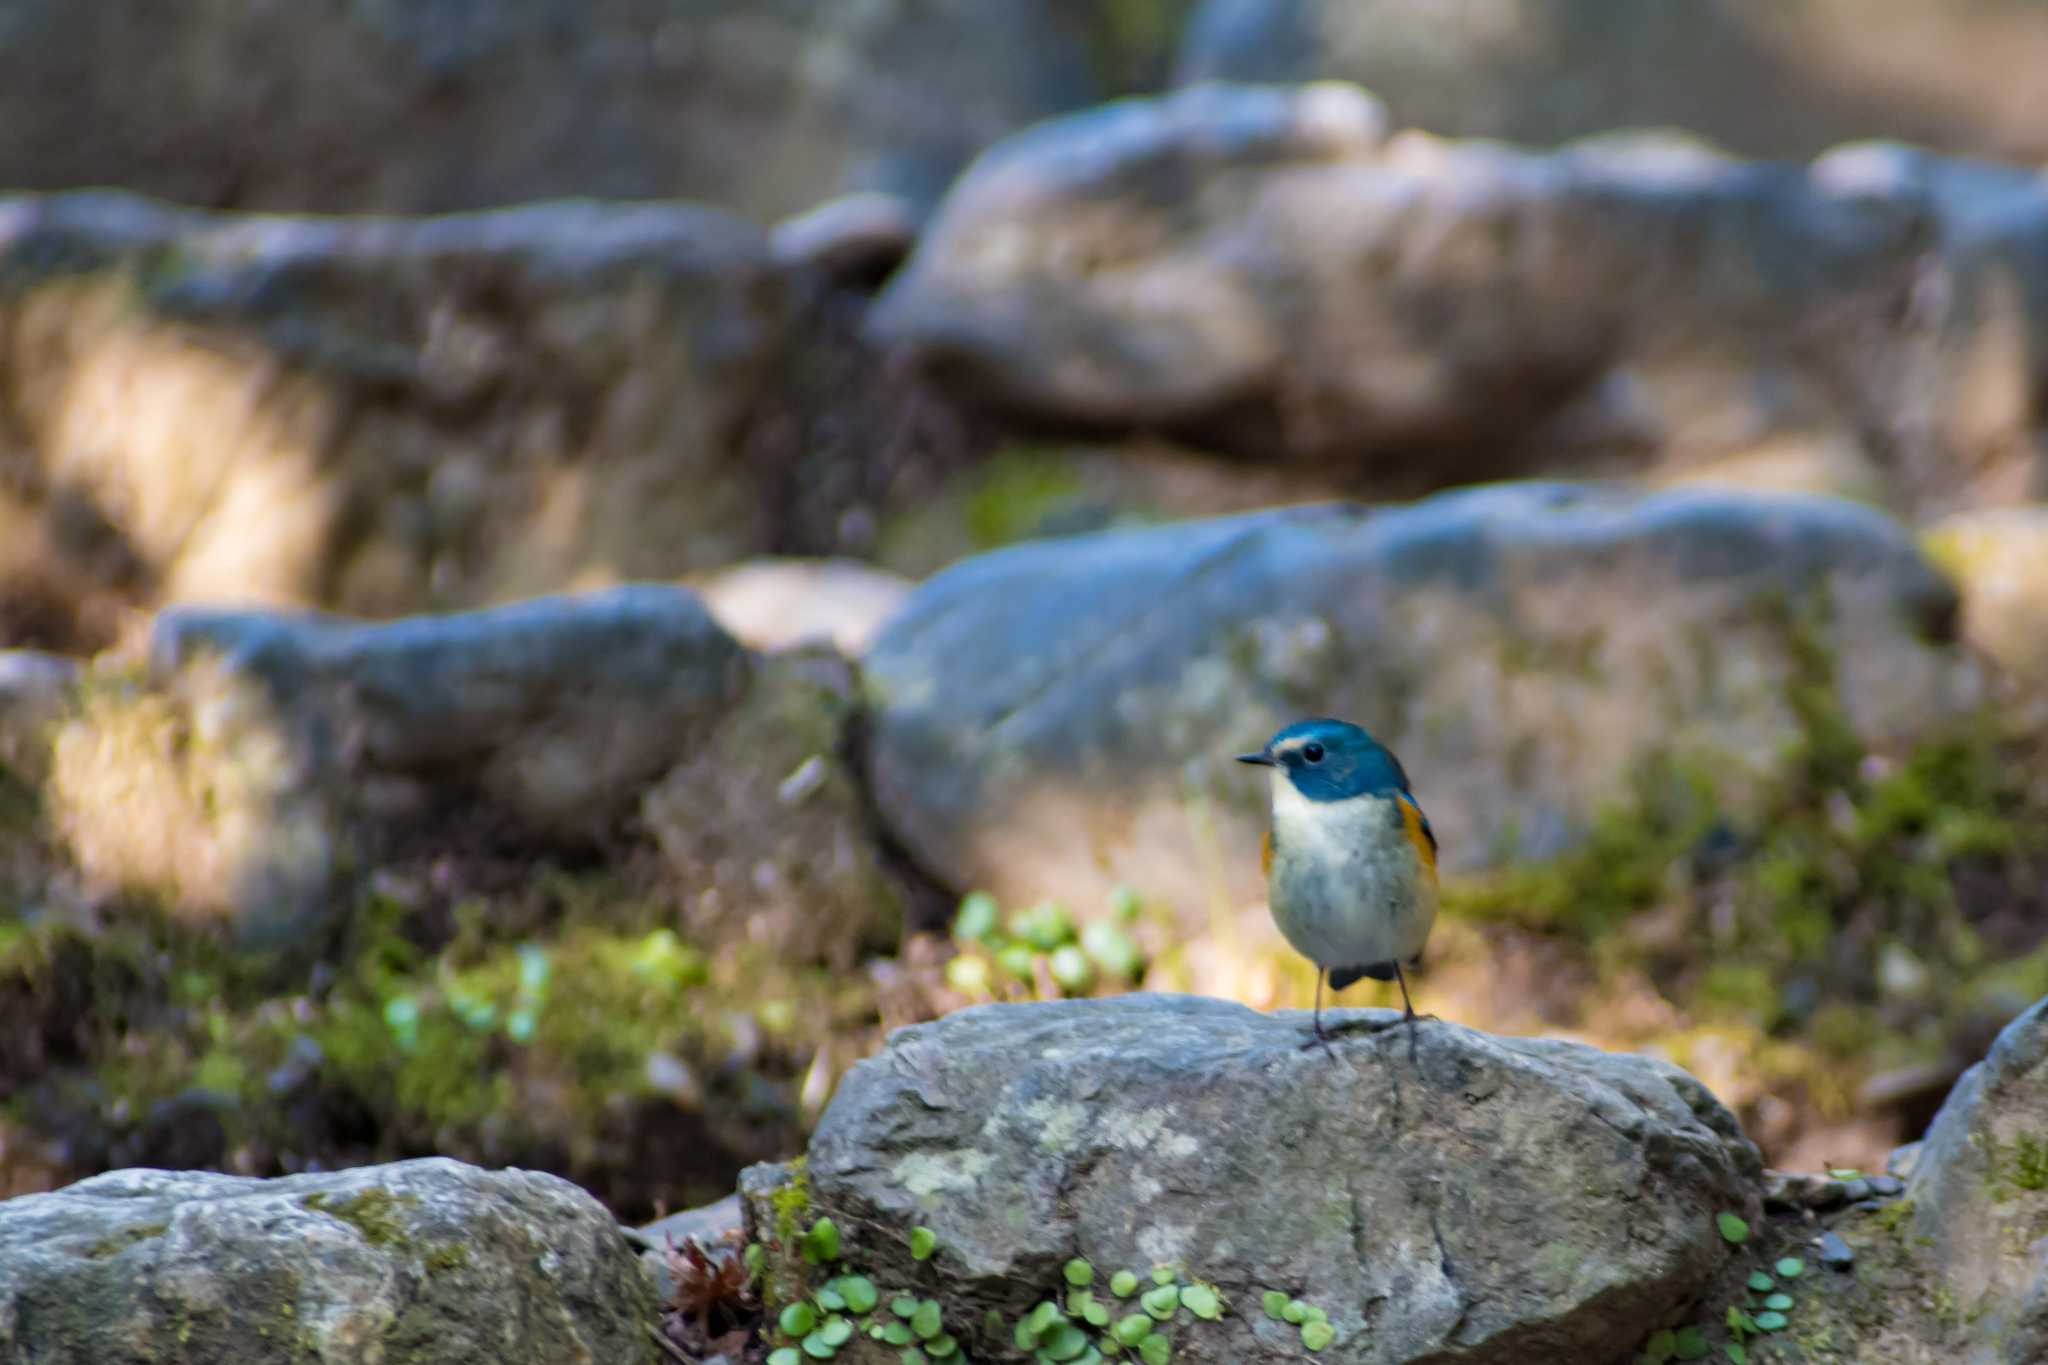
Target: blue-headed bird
x: 1351, y: 859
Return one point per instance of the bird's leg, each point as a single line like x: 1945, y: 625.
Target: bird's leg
x: 1316, y: 1036
x: 1410, y: 1017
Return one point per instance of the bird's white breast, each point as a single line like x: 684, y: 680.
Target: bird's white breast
x: 1347, y: 887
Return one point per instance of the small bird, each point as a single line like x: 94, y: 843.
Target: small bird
x: 1351, y: 859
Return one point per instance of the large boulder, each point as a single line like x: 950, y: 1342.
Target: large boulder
x: 1266, y: 269
x: 1766, y: 79
x: 268, y: 758
x: 427, y: 1261
x: 1471, y: 1198
x: 1059, y: 717
x: 1979, y: 1193
x: 381, y: 416
x: 766, y: 106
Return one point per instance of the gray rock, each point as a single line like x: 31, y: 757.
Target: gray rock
x: 855, y: 240
x: 1263, y: 268
x: 1546, y: 70
x: 765, y: 105
x: 1492, y: 1199
x: 274, y: 756
x: 35, y: 692
x: 1835, y: 1253
x: 429, y: 1261
x: 1057, y: 718
x: 1979, y: 1190
x: 557, y: 709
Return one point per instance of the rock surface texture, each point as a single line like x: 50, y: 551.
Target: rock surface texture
x: 1490, y: 1200
x: 1544, y: 70
x: 1266, y: 268
x: 1980, y: 1191
x: 1056, y: 718
x: 425, y: 1261
x: 388, y: 415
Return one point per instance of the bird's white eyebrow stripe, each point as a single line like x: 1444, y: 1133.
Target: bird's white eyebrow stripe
x: 1288, y: 746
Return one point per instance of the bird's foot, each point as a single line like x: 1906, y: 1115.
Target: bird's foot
x: 1317, y: 1036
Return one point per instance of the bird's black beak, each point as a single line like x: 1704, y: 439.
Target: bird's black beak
x: 1261, y: 758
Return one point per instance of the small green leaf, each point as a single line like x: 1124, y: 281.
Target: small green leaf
x: 941, y: 1346
x: 817, y: 1348
x: 878, y: 1332
x: 913, y: 1356
x: 1079, y: 1273
x: 1162, y: 1274
x: 1733, y: 1229
x: 1316, y: 1335
x: 927, y: 1321
x: 830, y: 1299
x: 836, y: 1331
x: 1044, y: 1317
x: 1161, y: 1301
x: 1274, y: 1302
x: 1155, y: 1349
x: 898, y: 1333
x: 1202, y: 1301
x: 1779, y: 1303
x: 1761, y: 1283
x: 1844, y: 1173
x: 797, y: 1319
x: 1123, y: 1284
x: 1090, y: 1309
x: 1738, y: 1321
x: 821, y: 1243
x: 1791, y: 1268
x: 1691, y: 1345
x: 860, y: 1293
x: 1296, y: 1311
x: 1312, y: 1313
x: 977, y: 917
x: 754, y: 1257
x: 1026, y: 1339
x: 1065, y: 1342
x: 1660, y: 1347
x: 1771, y: 1322
x: 1133, y: 1329
x: 903, y: 1305
x: 1736, y: 1354
x: 923, y: 1242
x: 785, y: 1355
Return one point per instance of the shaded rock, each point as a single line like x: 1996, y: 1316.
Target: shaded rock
x: 1999, y: 559
x: 271, y: 751
x: 855, y: 241
x: 1264, y: 269
x: 1992, y: 370
x: 35, y: 691
x: 430, y: 1260
x: 1526, y: 1200
x: 765, y: 822
x: 383, y: 416
x: 1548, y: 70
x: 1979, y: 1190
x: 1835, y: 1253
x: 1059, y: 717
x: 767, y: 107
x: 777, y: 603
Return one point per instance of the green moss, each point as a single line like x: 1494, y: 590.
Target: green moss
x: 119, y: 1242
x: 2019, y: 1165
x: 792, y: 1204
x: 449, y: 1256
x: 372, y: 1212
x: 1016, y: 492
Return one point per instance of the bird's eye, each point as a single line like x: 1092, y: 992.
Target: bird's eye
x: 1312, y: 752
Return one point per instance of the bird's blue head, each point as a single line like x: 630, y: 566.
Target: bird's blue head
x: 1331, y: 760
